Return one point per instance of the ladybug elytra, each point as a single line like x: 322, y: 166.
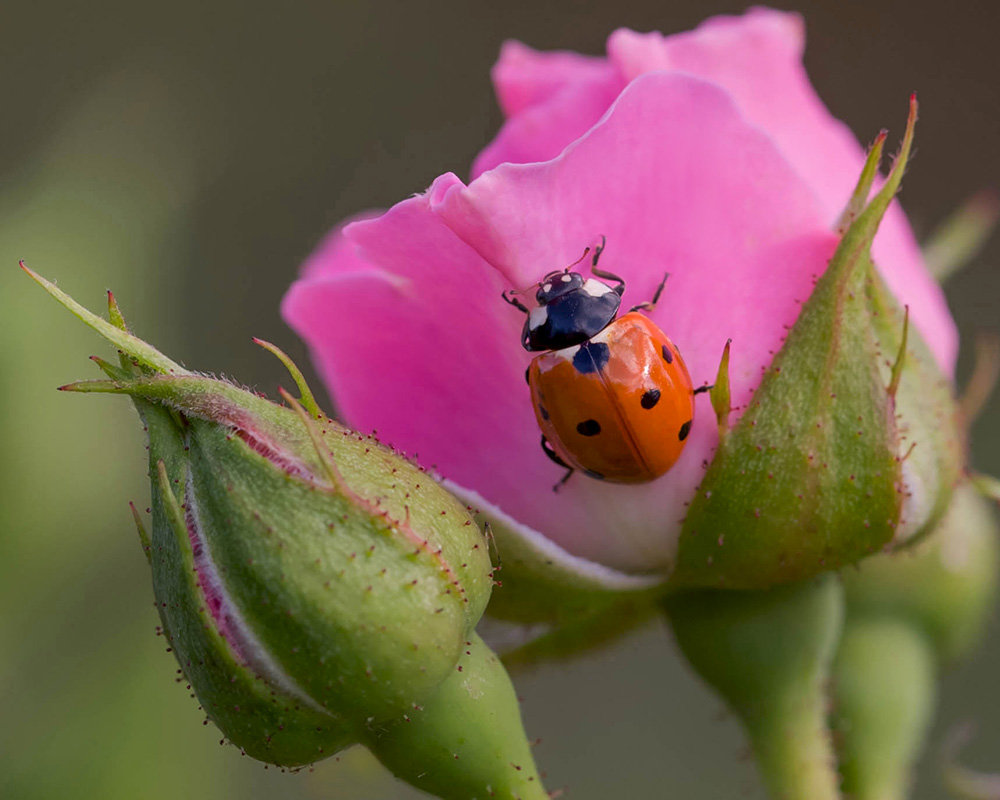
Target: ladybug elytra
x: 611, y: 394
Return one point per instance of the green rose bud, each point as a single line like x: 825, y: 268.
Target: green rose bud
x: 317, y: 589
x: 851, y: 442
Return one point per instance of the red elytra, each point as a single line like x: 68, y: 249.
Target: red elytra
x: 626, y: 415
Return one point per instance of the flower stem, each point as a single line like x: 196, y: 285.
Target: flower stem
x: 768, y: 653
x: 793, y: 746
x: 884, y: 700
x: 466, y: 741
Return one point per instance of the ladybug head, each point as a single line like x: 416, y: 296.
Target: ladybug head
x: 570, y: 310
x: 556, y: 284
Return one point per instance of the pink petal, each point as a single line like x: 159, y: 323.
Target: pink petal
x: 396, y: 344
x: 524, y: 77
x: 407, y: 328
x: 757, y: 58
x: 335, y: 249
x: 677, y: 180
x: 541, y: 131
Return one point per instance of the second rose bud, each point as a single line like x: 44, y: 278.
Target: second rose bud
x: 317, y: 589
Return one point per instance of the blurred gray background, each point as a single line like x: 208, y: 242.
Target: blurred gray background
x: 190, y: 156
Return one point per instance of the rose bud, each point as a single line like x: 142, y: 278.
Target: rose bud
x: 852, y: 440
x: 317, y: 589
x: 706, y: 155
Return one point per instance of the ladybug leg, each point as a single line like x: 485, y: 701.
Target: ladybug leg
x: 552, y: 454
x: 514, y: 302
x: 649, y: 305
x: 600, y: 273
x: 704, y: 388
x: 563, y: 480
x: 599, y: 249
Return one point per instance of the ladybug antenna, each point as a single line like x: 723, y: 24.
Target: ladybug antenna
x: 530, y: 288
x: 586, y: 251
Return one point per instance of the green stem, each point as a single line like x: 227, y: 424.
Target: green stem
x: 793, y: 747
x: 768, y: 654
x: 884, y: 687
x: 465, y: 742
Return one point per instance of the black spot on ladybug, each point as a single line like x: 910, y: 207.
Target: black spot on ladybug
x: 667, y: 355
x: 684, y: 431
x: 589, y: 427
x: 650, y: 398
x: 542, y: 410
x: 591, y: 357
x: 597, y: 476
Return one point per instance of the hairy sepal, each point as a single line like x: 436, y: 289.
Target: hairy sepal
x: 811, y: 476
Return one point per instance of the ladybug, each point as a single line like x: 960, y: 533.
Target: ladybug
x: 611, y: 394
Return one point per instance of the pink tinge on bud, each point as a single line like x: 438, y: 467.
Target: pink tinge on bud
x: 243, y: 643
x: 217, y: 601
x: 275, y: 456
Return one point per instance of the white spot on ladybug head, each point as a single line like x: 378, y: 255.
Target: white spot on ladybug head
x: 567, y: 278
x: 537, y: 317
x: 547, y: 288
x: 595, y: 288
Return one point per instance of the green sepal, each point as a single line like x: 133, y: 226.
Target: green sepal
x: 961, y: 237
x: 466, y: 741
x: 115, y: 316
x: 252, y: 432
x: 883, y: 701
x: 306, y: 395
x: 142, y: 352
x: 719, y: 393
x: 987, y: 486
x: 931, y: 449
x: 809, y: 477
x: 259, y: 718
x: 863, y: 188
x: 573, y: 638
x: 368, y: 614
x: 768, y: 654
x: 144, y: 538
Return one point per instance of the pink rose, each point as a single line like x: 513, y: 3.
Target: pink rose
x: 706, y: 154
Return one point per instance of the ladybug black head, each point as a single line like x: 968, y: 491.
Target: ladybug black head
x: 556, y: 284
x: 570, y: 310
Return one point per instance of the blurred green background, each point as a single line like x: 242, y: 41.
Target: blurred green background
x: 189, y: 156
